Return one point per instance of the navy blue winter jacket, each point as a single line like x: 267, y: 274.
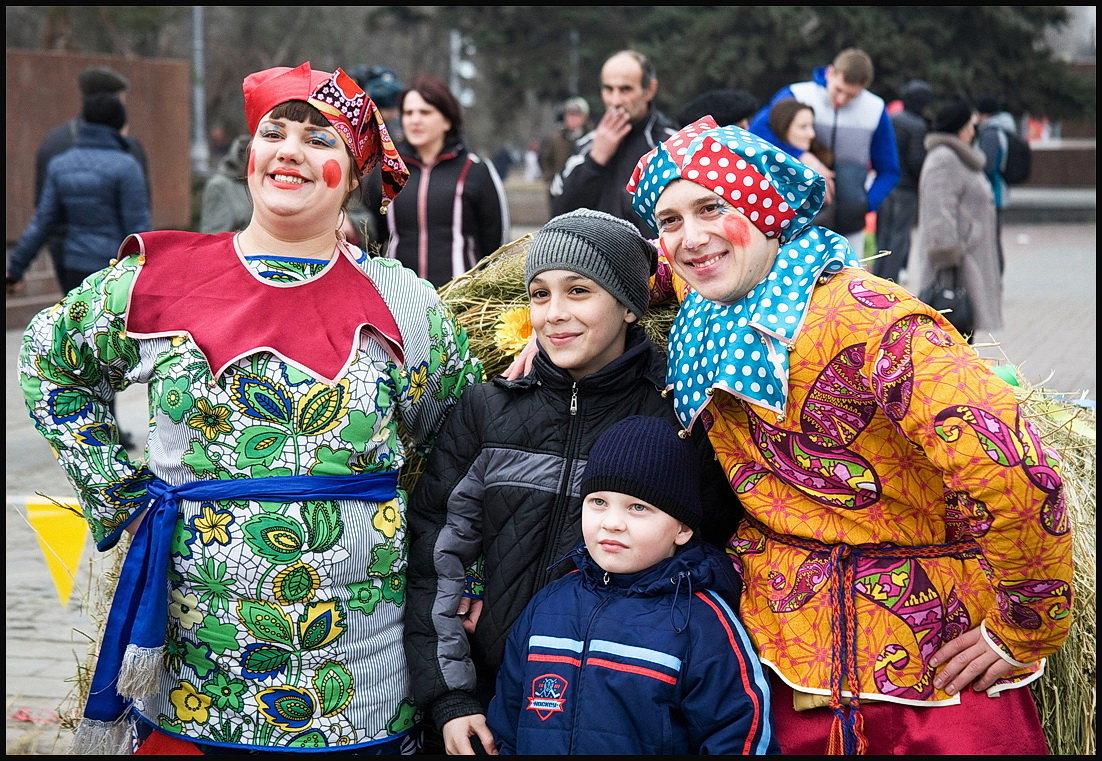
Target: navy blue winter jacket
x: 651, y: 663
x: 97, y: 191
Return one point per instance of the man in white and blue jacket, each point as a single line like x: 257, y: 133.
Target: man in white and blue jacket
x: 855, y: 124
x: 639, y: 651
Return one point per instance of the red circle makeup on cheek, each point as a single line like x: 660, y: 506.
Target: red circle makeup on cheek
x: 332, y: 173
x: 737, y: 230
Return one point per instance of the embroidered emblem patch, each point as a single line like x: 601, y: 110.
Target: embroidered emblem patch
x: 548, y: 695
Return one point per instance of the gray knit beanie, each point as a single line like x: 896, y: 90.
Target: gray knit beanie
x: 646, y: 458
x: 608, y: 250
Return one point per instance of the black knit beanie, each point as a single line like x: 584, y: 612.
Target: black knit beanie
x: 952, y: 116
x: 608, y: 250
x: 103, y: 108
x: 646, y: 458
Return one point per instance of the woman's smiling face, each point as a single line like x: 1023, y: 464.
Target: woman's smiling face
x: 297, y: 166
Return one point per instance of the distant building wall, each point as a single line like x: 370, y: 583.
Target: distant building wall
x: 42, y: 93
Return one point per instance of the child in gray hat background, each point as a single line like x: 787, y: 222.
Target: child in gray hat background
x: 640, y: 653
x: 502, y: 483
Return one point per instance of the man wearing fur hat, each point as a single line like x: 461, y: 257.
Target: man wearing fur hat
x: 906, y: 552
x: 501, y: 483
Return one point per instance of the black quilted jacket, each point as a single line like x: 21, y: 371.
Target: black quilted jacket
x: 503, y: 482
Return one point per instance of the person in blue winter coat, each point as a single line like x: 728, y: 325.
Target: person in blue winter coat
x: 639, y: 651
x: 855, y: 125
x: 95, y: 192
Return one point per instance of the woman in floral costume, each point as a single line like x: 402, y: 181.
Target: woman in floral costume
x: 290, y: 376
x: 906, y: 554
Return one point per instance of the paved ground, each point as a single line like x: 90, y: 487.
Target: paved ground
x: 1050, y: 305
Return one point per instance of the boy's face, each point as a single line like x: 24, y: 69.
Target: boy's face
x: 578, y: 323
x: 624, y: 534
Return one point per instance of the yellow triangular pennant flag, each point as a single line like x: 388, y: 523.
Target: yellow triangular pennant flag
x: 62, y: 535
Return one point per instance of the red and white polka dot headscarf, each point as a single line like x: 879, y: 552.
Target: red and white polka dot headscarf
x: 776, y: 192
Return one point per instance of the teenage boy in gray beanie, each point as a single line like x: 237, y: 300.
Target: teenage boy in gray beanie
x: 502, y: 484
x: 646, y: 622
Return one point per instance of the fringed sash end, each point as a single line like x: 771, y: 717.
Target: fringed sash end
x: 103, y: 738
x: 140, y: 673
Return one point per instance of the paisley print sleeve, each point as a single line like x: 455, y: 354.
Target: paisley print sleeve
x: 998, y: 474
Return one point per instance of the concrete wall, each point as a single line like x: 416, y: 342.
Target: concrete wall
x: 42, y: 93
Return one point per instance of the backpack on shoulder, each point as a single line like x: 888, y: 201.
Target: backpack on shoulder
x: 1018, y: 159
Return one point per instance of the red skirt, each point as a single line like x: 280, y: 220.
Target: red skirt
x: 1006, y: 725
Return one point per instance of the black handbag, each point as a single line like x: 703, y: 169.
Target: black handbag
x: 948, y: 295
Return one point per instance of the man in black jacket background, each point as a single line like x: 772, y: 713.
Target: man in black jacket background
x: 898, y: 214
x: 595, y: 176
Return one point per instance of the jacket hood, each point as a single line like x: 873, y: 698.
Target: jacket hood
x: 1003, y: 120
x: 970, y: 155
x: 234, y: 162
x: 99, y: 136
x: 916, y: 95
x: 696, y: 565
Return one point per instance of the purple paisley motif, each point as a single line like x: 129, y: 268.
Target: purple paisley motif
x: 834, y: 477
x: 1018, y: 602
x: 965, y: 518
x: 707, y: 418
x: 893, y: 371
x: 739, y: 546
x: 901, y: 586
x: 1018, y: 447
x: 1040, y: 466
x: 865, y: 295
x: 839, y: 405
x: 809, y: 579
x: 746, y: 476
x: 956, y: 620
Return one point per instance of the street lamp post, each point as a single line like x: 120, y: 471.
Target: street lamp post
x: 200, y: 151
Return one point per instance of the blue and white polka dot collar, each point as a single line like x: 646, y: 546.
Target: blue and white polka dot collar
x: 742, y: 348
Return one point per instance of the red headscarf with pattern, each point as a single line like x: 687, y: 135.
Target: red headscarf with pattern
x: 348, y: 108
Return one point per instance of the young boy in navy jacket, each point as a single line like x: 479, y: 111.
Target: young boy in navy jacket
x: 639, y: 651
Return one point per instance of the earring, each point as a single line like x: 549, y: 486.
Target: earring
x: 340, y: 228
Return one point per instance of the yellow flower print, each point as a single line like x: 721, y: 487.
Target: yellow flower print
x: 387, y: 518
x: 211, y: 420
x: 513, y: 331
x: 190, y: 704
x: 213, y: 525
x: 185, y: 609
x: 418, y: 382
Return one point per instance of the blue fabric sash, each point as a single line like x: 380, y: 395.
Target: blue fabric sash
x: 139, y: 609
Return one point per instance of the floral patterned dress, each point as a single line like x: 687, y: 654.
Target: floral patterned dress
x: 285, y: 619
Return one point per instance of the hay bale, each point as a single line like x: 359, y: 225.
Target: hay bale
x: 1065, y: 693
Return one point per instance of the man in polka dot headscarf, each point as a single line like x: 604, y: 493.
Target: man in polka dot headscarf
x: 893, y: 520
